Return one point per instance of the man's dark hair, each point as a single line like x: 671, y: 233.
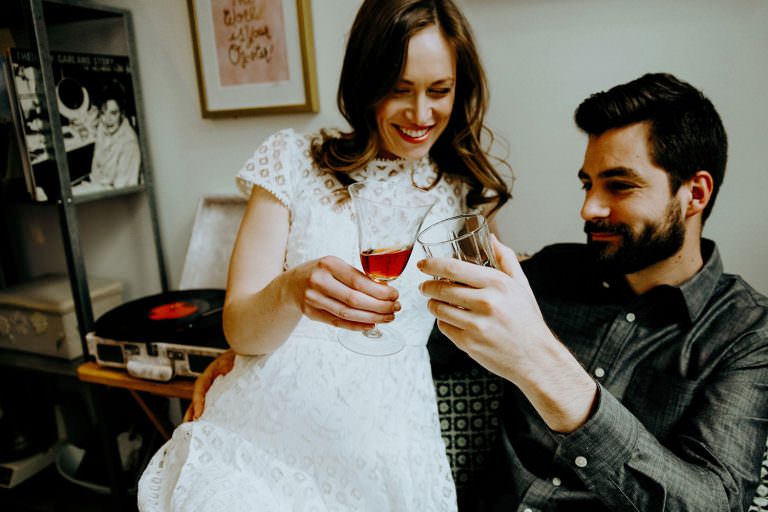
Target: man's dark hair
x: 686, y: 132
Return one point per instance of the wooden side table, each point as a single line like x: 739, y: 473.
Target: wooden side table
x: 94, y: 376
x: 179, y: 387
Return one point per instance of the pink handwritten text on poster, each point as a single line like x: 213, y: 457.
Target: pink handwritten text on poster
x: 250, y: 41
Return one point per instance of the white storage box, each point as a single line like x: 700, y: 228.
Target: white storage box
x: 39, y: 315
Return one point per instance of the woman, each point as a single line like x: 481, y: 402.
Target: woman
x: 300, y: 422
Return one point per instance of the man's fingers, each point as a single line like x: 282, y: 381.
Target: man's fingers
x: 222, y: 365
x: 452, y: 332
x: 450, y: 314
x: 450, y: 292
x: 226, y: 362
x: 509, y: 263
x: 198, y: 398
x: 455, y: 270
x: 505, y: 258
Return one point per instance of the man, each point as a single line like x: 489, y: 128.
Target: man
x: 637, y: 370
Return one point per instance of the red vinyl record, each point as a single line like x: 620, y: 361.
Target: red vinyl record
x: 190, y: 317
x: 172, y: 310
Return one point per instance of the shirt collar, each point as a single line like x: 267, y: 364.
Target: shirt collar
x: 689, y: 297
x: 697, y: 290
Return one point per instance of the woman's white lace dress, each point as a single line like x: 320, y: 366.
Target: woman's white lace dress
x: 314, y: 426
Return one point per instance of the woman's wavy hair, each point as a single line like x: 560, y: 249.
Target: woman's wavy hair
x: 373, y: 63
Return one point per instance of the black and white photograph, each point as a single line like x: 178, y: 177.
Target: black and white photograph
x: 98, y: 119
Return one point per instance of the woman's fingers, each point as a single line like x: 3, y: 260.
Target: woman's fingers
x: 342, y: 290
x: 324, y: 316
x: 344, y: 313
x: 356, y: 280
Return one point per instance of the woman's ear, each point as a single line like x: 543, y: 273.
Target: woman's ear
x: 701, y: 186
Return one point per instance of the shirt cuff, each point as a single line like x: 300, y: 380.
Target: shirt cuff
x: 600, y: 447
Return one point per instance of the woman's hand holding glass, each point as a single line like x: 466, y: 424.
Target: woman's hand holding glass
x: 332, y: 291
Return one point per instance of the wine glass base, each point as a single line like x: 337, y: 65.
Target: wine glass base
x: 360, y: 344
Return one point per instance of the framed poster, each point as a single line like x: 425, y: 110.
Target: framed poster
x: 254, y: 56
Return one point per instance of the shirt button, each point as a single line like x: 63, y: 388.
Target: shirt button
x: 599, y: 373
x: 556, y: 482
x: 580, y: 461
x: 630, y: 317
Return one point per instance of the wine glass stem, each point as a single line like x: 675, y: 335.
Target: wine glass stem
x: 373, y: 332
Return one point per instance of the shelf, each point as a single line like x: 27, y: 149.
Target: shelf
x: 24, y: 199
x: 107, y: 194
x: 69, y: 11
x: 39, y: 363
x: 59, y: 12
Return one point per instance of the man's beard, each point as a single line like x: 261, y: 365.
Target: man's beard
x: 654, y: 243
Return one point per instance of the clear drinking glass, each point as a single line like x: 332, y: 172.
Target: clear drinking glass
x: 464, y: 237
x: 389, y: 214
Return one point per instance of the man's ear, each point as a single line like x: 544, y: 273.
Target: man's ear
x: 701, y: 186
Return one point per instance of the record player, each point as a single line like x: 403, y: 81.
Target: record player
x: 179, y: 332
x: 161, y: 336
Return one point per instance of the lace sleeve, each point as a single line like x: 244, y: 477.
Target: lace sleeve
x: 271, y: 167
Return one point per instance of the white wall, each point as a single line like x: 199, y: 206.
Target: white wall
x: 545, y: 56
x: 542, y: 56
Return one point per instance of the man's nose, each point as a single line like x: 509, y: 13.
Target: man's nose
x: 594, y: 207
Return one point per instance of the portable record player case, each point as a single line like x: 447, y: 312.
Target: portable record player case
x: 154, y: 354
x: 39, y: 315
x: 160, y: 336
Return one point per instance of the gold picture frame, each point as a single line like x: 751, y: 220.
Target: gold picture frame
x: 254, y: 57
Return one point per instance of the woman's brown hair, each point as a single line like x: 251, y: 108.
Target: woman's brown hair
x: 373, y: 62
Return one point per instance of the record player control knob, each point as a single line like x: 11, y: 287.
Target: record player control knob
x: 175, y: 355
x: 149, y: 371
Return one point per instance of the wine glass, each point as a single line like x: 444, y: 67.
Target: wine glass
x: 389, y: 214
x: 464, y: 237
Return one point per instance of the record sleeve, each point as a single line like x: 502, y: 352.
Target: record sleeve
x: 95, y: 99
